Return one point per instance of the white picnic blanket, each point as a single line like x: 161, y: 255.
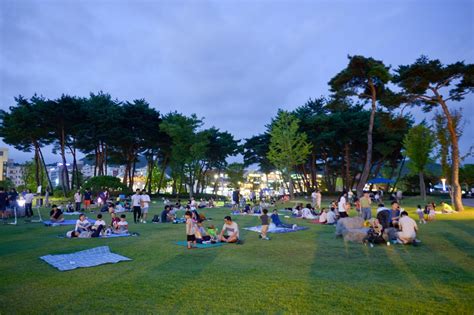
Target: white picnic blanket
x: 85, y: 258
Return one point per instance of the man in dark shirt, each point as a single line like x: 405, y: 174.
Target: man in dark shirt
x: 164, y: 214
x: 3, y: 203
x: 56, y: 215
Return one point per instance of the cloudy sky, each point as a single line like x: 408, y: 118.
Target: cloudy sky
x: 233, y: 62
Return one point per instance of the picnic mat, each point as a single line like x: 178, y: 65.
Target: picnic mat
x: 72, y: 213
x: 277, y: 230
x: 65, y: 222
x: 102, y: 236
x: 85, y: 258
x: 184, y: 243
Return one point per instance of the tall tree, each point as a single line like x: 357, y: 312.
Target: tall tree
x: 288, y: 146
x: 25, y: 129
x: 365, y: 78
x: 188, y: 148
x: 235, y: 173
x: 419, y: 144
x: 429, y: 83
x: 137, y: 121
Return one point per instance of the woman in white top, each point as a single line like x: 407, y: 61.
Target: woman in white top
x: 341, y: 206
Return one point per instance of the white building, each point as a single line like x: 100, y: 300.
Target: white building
x: 16, y: 173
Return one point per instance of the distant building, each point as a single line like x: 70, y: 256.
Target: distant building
x: 16, y: 173
x: 3, y: 163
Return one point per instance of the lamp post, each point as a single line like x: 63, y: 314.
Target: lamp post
x: 443, y: 181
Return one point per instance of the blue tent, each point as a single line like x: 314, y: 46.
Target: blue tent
x: 380, y: 180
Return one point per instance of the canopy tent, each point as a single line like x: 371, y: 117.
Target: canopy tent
x: 380, y: 180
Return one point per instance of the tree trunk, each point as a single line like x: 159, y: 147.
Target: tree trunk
x: 37, y: 167
x: 163, y: 169
x: 368, y: 159
x: 457, y: 193
x: 347, y: 163
x: 422, y: 186
x: 314, y: 181
x: 46, y: 171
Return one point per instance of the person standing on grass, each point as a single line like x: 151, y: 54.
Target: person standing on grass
x: 365, y: 203
x: 12, y: 199
x: 319, y: 197
x: 145, y: 205
x: 190, y: 230
x: 78, y: 200
x: 341, y: 206
x: 313, y: 198
x: 29, y: 196
x: 137, y: 210
x: 87, y: 199
x: 265, y: 223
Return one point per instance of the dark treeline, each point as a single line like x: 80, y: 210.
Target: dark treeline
x: 109, y: 131
x: 355, y: 133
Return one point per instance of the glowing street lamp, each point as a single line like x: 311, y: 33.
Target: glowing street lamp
x: 443, y: 181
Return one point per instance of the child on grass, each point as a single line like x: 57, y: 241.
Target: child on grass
x: 190, y: 230
x: 122, y: 226
x: 82, y: 224
x: 212, y: 232
x: 265, y: 223
x: 421, y: 214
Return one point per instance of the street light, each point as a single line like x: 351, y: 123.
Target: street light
x: 443, y: 181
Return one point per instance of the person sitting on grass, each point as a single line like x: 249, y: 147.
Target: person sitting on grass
x: 82, y: 224
x: 100, y: 222
x: 278, y: 223
x: 265, y: 223
x: 212, y: 232
x: 383, y: 215
x: 164, y: 216
x: 323, y: 216
x: 230, y: 231
x: 395, y: 214
x: 111, y: 208
x: 445, y: 208
x: 331, y: 217
x: 115, y: 220
x: 56, y: 215
x: 202, y: 235
x: 122, y: 225
x: 408, y: 229
x: 190, y: 230
x: 306, y: 213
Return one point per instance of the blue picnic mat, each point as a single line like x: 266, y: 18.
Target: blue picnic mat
x: 276, y: 230
x: 85, y: 258
x: 184, y: 243
x: 65, y: 222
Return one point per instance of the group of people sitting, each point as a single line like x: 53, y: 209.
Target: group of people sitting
x: 197, y: 233
x: 396, y: 218
x: 85, y: 229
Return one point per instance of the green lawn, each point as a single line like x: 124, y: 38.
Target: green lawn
x: 303, y: 272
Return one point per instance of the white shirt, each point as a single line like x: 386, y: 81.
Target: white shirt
x: 323, y: 217
x: 82, y: 224
x: 342, y: 205
x: 231, y: 229
x: 314, y: 195
x: 136, y: 200
x: 77, y: 197
x: 407, y: 226
x: 100, y: 222
x: 306, y: 214
x: 331, y: 217
x: 146, y: 200
x: 29, y: 198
